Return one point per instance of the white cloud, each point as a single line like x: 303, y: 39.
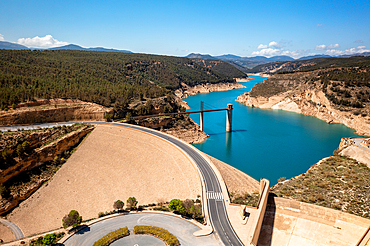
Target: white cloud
x: 1, y: 37
x: 349, y: 51
x: 274, y: 44
x: 269, y: 52
x: 41, y: 42
x: 359, y: 41
x: 262, y: 46
x: 326, y: 47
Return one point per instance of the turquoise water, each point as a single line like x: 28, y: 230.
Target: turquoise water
x: 264, y: 143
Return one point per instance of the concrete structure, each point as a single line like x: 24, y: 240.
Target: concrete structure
x: 229, y: 118
x: 292, y: 223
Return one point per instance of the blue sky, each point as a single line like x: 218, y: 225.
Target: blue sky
x: 244, y: 28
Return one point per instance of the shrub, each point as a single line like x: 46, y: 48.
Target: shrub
x: 174, y: 203
x: 112, y: 236
x: 161, y: 233
x: 4, y: 192
x: 131, y: 203
x: 72, y: 219
x: 49, y: 239
x: 118, y: 205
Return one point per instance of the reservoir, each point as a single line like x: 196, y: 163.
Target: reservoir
x: 264, y: 143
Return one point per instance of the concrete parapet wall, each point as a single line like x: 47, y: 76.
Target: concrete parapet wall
x: 261, y: 209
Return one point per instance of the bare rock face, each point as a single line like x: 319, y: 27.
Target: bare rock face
x: 53, y: 110
x: 307, y: 100
x: 186, y: 90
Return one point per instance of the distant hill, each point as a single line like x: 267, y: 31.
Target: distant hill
x: 200, y: 56
x: 242, y: 63
x: 77, y: 47
x: 221, y: 67
x: 305, y: 65
x: 12, y: 46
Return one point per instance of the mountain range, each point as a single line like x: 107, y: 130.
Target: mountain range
x: 244, y: 64
x: 13, y: 46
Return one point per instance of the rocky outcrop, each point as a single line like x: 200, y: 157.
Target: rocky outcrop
x: 186, y: 90
x: 54, y: 110
x: 45, y: 154
x: 308, y: 101
x: 42, y: 155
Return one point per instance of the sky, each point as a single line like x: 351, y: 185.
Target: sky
x: 179, y: 27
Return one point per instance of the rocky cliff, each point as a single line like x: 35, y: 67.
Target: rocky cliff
x: 186, y: 90
x: 303, y: 93
x: 41, y: 156
x: 53, y: 110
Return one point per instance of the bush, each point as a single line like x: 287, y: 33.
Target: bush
x: 72, y: 219
x: 161, y: 233
x: 4, y: 192
x: 131, y: 203
x: 49, y: 239
x: 118, y: 205
x: 112, y: 236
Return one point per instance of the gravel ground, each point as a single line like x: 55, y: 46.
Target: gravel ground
x: 113, y: 163
x: 5, y: 233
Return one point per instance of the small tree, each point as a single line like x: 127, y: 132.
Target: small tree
x: 49, y: 239
x: 177, y: 205
x: 129, y: 118
x: 72, y: 219
x: 108, y: 117
x: 131, y: 203
x: 174, y: 203
x: 4, y: 192
x: 118, y: 205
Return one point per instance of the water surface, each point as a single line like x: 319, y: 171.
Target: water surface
x: 264, y: 143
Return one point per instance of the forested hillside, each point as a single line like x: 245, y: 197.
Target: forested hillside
x: 311, y: 64
x: 221, y: 67
x: 100, y: 77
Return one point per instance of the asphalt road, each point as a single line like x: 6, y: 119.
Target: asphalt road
x: 181, y: 228
x: 216, y: 206
x: 18, y: 234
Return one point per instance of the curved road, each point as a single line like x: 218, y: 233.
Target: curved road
x: 216, y: 206
x: 18, y: 234
x: 179, y: 227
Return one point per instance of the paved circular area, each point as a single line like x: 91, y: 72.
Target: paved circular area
x: 182, y: 229
x: 139, y: 240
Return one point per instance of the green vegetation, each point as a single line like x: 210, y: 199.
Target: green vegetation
x: 106, y: 78
x: 112, y: 236
x: 47, y: 240
x: 245, y: 199
x: 131, y: 203
x: 188, y: 208
x: 221, y: 67
x: 72, y: 219
x: 118, y: 205
x: 338, y: 182
x: 161, y: 233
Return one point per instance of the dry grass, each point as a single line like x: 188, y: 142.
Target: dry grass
x: 337, y: 182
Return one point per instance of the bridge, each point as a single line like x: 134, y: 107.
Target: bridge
x: 229, y: 116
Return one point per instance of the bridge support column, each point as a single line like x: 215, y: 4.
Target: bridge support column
x: 229, y: 117
x: 201, y: 115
